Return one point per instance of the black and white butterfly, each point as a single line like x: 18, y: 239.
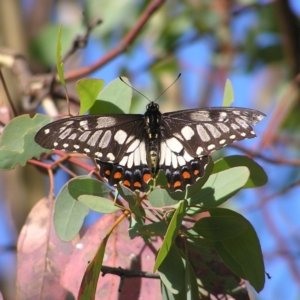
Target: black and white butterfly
x: 133, y: 148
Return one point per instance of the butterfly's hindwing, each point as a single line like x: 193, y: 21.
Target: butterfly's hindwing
x: 134, y: 148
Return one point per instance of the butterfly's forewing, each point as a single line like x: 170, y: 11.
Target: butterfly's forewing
x: 202, y: 131
x: 106, y: 137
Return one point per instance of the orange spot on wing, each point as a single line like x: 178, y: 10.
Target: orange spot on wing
x: 137, y: 184
x: 146, y: 177
x: 177, y: 184
x: 186, y: 175
x: 196, y: 172
x: 107, y: 172
x: 126, y: 183
x: 117, y: 175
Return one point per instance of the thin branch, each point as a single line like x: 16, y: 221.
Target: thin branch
x: 127, y: 273
x: 121, y: 47
x: 11, y: 103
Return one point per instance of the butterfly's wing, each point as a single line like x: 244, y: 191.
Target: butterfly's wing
x: 105, y: 137
x: 189, y: 136
x: 203, y: 131
x: 117, y: 142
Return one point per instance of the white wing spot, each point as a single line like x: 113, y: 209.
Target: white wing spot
x: 241, y: 122
x: 72, y: 136
x: 177, y: 135
x: 55, y: 144
x: 168, y: 157
x: 181, y: 161
x: 243, y: 134
x: 98, y: 154
x: 65, y: 145
x: 252, y: 132
x: 213, y: 130
x: 103, y: 122
x: 94, y: 138
x: 174, y: 161
x: 200, y: 116
x: 130, y: 161
x: 199, y: 151
x: 235, y: 126
x: 130, y: 139
x: 133, y: 146
x: 120, y: 136
x: 84, y: 136
x: 83, y: 123
x: 105, y: 139
x: 110, y: 156
x: 163, y: 148
x: 187, y: 132
x: 221, y: 142
x: 187, y: 157
x: 137, y: 157
x: 68, y: 123
x: 76, y: 147
x: 223, y: 127
x: 46, y: 131
x: 123, y: 161
x: 232, y: 137
x: 202, y: 133
x: 174, y: 145
x: 211, y: 147
x: 65, y: 134
x: 86, y: 150
x: 143, y: 153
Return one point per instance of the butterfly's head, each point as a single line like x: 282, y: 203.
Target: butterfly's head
x: 152, y: 106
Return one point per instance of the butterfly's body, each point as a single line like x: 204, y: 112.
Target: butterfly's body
x: 134, y: 148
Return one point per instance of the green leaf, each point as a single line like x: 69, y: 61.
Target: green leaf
x: 85, y: 185
x: 218, y: 228
x: 59, y: 63
x: 245, y: 250
x: 90, y: 279
x: 257, y: 177
x: 113, y: 99
x: 17, y: 143
x: 154, y: 229
x: 160, y: 198
x: 228, y: 97
x: 132, y: 199
x: 88, y: 89
x: 171, y: 234
x: 220, y: 187
x: 171, y: 271
x: 69, y: 215
x: 98, y: 204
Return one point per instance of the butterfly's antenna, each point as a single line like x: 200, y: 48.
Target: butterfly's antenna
x: 168, y: 87
x: 134, y: 89
x: 144, y: 95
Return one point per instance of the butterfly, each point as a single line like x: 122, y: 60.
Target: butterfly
x: 133, y: 148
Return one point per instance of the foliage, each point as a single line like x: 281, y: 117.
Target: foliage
x: 160, y: 213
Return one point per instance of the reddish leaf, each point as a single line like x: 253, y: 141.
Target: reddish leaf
x: 122, y: 252
x: 41, y: 256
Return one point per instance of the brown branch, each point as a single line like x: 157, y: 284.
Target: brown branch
x: 121, y: 47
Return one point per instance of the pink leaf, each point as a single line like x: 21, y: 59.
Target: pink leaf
x: 41, y: 256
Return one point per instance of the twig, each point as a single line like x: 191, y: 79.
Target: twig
x: 11, y: 103
x: 121, y: 47
x: 127, y: 273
